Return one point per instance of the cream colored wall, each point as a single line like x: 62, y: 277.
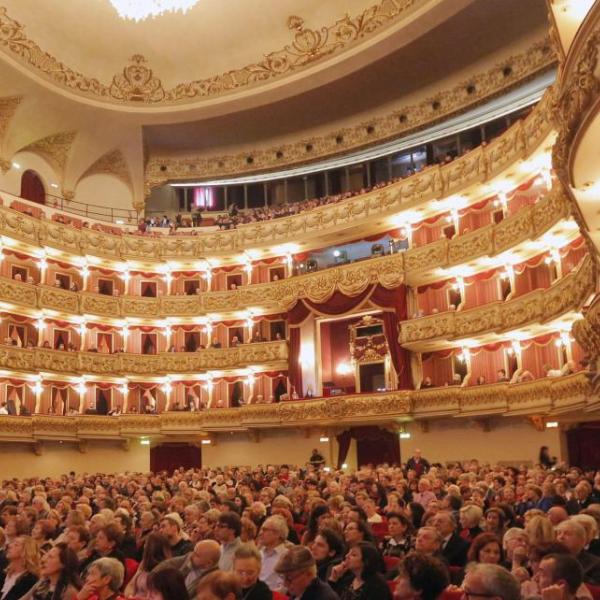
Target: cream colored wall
x: 18, y: 460
x: 106, y: 191
x: 274, y: 447
x: 510, y: 439
x: 11, y: 180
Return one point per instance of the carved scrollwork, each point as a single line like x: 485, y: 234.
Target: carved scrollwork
x: 538, y: 306
x: 502, y: 398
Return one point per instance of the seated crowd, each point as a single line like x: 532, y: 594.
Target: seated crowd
x: 419, y: 531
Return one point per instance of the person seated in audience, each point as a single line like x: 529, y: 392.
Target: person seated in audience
x: 486, y: 548
x: 23, y: 568
x: 501, y: 376
x: 364, y: 581
x: 272, y: 539
x: 219, y: 586
x: 298, y: 569
x: 171, y: 527
x: 59, y: 576
x: 481, y: 380
x: 470, y: 519
x: 426, y: 383
x: 247, y: 563
x: 103, y: 580
x: 235, y: 341
x: 399, y: 541
x: 105, y: 544
x: 167, y: 584
x: 573, y: 536
x: 454, y: 548
x: 420, y: 577
x: 328, y: 550
x: 215, y: 343
x: 195, y: 565
x: 490, y: 581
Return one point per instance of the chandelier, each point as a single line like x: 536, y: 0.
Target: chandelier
x: 138, y: 10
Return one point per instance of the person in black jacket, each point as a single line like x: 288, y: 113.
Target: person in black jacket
x: 299, y: 572
x: 23, y: 568
x: 454, y: 548
x: 246, y: 565
x: 106, y: 545
x: 365, y: 566
x: 327, y: 550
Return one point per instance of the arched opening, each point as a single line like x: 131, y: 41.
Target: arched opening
x: 32, y: 187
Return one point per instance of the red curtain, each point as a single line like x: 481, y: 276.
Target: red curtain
x: 294, y: 367
x: 374, y: 445
x: 32, y: 187
x: 168, y: 457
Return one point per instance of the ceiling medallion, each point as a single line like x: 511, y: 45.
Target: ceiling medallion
x: 139, y: 10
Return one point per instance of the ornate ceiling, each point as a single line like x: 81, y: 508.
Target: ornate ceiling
x: 92, y: 93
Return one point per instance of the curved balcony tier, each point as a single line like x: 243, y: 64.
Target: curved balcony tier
x: 331, y: 223
x: 540, y: 306
x: 414, y: 267
x: 269, y: 355
x: 541, y: 397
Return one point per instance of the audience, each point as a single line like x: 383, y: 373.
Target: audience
x: 539, y: 537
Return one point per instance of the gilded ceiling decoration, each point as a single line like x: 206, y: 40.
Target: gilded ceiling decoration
x: 111, y: 163
x: 54, y: 148
x: 480, y: 87
x: 8, y: 107
x: 138, y: 84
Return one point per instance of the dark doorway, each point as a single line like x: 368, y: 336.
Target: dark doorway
x: 379, y: 446
x: 372, y: 377
x: 584, y: 445
x: 168, y: 457
x: 32, y: 187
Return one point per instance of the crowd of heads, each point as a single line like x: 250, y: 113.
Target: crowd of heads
x: 414, y: 531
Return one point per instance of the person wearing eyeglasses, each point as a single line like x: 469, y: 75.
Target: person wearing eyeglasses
x: 246, y: 567
x: 272, y: 537
x: 490, y: 581
x: 227, y: 531
x: 298, y: 569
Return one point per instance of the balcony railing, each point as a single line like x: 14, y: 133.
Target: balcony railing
x: 530, y: 223
x: 541, y: 397
x: 34, y: 360
x: 335, y: 220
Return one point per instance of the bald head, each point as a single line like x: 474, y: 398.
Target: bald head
x: 557, y: 514
x: 206, y: 554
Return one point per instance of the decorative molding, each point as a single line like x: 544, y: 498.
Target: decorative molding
x: 539, y: 306
x: 111, y: 163
x: 270, y: 355
x: 54, y: 148
x: 422, y: 405
x: 137, y: 84
x: 575, y: 91
x: 529, y: 223
x: 476, y: 167
x: 8, y: 107
x: 478, y: 88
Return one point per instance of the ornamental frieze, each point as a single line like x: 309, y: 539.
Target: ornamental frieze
x: 337, y: 220
x: 557, y: 394
x: 528, y: 223
x: 539, y: 306
x: 112, y: 365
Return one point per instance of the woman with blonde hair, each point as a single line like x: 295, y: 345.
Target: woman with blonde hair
x: 470, y: 518
x: 23, y: 568
x: 539, y: 530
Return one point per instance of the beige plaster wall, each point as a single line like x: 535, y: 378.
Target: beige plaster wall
x: 509, y: 440
x: 18, y: 460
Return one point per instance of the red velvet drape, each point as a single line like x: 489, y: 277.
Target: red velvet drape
x: 392, y: 301
x: 374, y: 445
